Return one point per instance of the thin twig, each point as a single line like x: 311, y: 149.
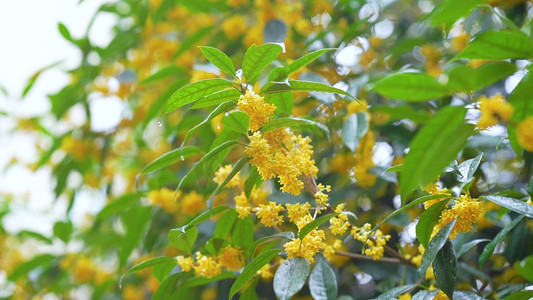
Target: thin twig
x: 364, y: 257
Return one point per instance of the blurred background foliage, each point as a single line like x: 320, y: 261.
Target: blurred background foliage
x: 154, y: 53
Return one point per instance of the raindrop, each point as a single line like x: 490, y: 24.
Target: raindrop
x: 159, y: 124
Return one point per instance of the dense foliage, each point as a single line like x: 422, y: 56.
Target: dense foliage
x: 325, y: 149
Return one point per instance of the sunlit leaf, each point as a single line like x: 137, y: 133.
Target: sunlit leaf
x: 410, y: 87
x: 294, y: 122
x: 498, y: 45
x: 314, y: 224
x: 171, y: 157
x: 194, y: 92
x: 257, y: 58
x: 219, y: 59
x: 301, y: 86
x: 296, y: 65
x: 148, y: 264
x: 251, y: 270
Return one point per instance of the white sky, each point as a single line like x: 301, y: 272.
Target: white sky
x: 29, y: 40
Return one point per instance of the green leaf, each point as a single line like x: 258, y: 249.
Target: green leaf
x: 254, y: 179
x: 428, y: 220
x: 489, y: 248
x: 119, y: 204
x: 237, y: 121
x: 135, y: 221
x: 468, y: 168
x: 147, y: 264
x: 217, y: 98
x: 445, y: 269
x: 314, y: 224
x: 202, y: 218
x: 183, y: 240
x: 198, y: 281
x: 251, y: 270
x: 425, y: 295
x: 525, y: 268
x: 498, y: 45
x: 410, y: 87
x: 168, y: 286
x: 406, y: 207
x: 162, y: 73
x: 395, y: 292
x: 452, y: 10
x: 63, y: 30
x: 170, y: 157
x: 27, y: 233
x: 35, y: 76
x: 280, y: 235
x: 217, y: 111
x: 219, y: 59
x: 467, y: 246
x: 520, y: 295
x: 243, y: 232
x: 63, y: 230
x: 322, y: 282
x: 282, y: 101
x: 512, y: 204
x: 434, y: 246
x: 300, y: 86
x: 291, y: 277
x: 256, y: 59
x: 224, y: 224
x: 236, y: 168
x: 433, y: 148
x: 520, y: 99
x: 25, y: 267
x: 195, y: 91
x: 296, y: 65
x: 294, y: 122
x: 207, y: 164
x: 403, y: 112
x: 353, y: 129
x: 467, y: 79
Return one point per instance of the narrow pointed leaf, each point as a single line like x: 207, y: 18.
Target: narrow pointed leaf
x: 469, y: 245
x: 251, y: 270
x: 489, y: 248
x: 498, y: 45
x: 217, y: 98
x: 314, y: 224
x: 434, y: 246
x: 515, y: 205
x: 294, y: 122
x: 219, y: 59
x: 148, y: 264
x: 183, y: 240
x: 428, y: 220
x: 433, y: 148
x: 301, y: 62
x: 410, y: 87
x: 257, y: 58
x: 195, y: 91
x: 237, y: 121
x: 445, y: 269
x: 236, y: 168
x: 223, y: 107
x: 170, y: 157
x: 301, y: 86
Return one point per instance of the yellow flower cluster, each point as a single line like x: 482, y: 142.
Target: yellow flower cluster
x: 525, y: 134
x: 242, y: 206
x: 192, y: 203
x: 434, y: 189
x: 231, y: 257
x: 223, y: 173
x: 494, y: 110
x: 432, y: 55
x: 364, y: 162
x: 206, y: 266
x: 165, y: 199
x: 330, y: 255
x: 265, y: 272
x: 84, y: 270
x: 339, y: 225
x: 284, y: 154
x: 322, y: 198
x: 268, y: 214
x: 466, y: 210
x: 297, y: 211
x: 186, y: 263
x: 255, y: 106
x: 306, y: 248
x: 375, y: 242
x: 355, y: 107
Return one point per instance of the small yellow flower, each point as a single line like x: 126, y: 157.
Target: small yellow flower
x: 206, y: 266
x: 192, y: 203
x: 255, y: 106
x: 231, y: 257
x: 186, y: 263
x: 306, y: 248
x: 297, y: 211
x: 223, y: 172
x: 242, y: 206
x: 269, y: 214
x: 494, y: 110
x: 357, y: 107
x: 466, y: 210
x: 265, y: 272
x: 525, y: 134
x: 374, y: 243
x: 320, y: 197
